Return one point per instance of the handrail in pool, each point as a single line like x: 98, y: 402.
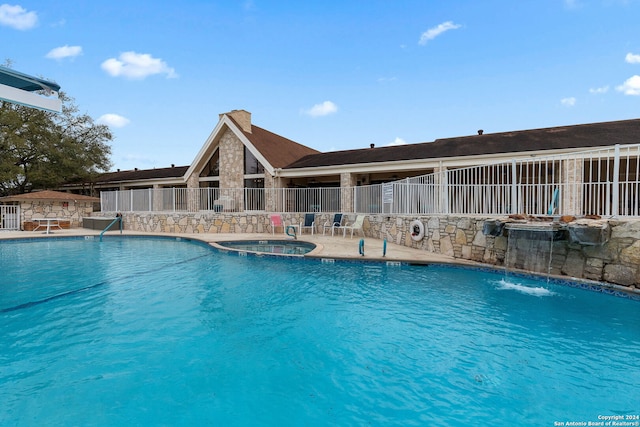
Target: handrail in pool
x: 117, y: 218
x: 291, y: 228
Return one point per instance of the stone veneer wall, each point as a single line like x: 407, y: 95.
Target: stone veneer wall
x: 231, y: 152
x: 199, y: 222
x: 617, y: 261
x: 73, y: 211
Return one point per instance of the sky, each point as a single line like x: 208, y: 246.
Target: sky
x: 332, y: 75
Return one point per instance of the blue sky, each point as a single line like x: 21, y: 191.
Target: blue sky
x: 332, y: 75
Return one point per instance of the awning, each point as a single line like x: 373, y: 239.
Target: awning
x: 21, y: 89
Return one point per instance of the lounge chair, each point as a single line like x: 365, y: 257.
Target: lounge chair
x: 309, y: 222
x: 336, y: 223
x: 354, y: 226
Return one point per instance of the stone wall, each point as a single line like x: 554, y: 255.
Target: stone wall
x: 200, y: 222
x: 616, y: 261
x: 70, y: 211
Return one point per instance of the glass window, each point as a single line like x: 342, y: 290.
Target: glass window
x: 213, y: 167
x: 254, y: 183
x: 251, y: 164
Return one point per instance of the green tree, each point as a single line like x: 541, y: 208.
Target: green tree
x: 43, y: 150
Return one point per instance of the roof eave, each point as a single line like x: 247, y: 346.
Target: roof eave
x: 417, y: 164
x: 144, y: 181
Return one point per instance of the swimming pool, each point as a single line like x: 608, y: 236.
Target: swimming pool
x: 278, y: 247
x: 165, y: 332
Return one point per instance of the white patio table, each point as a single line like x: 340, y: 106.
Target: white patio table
x: 47, y: 224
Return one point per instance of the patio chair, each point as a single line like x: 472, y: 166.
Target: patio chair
x: 276, y: 221
x: 336, y: 223
x: 354, y: 226
x: 309, y: 222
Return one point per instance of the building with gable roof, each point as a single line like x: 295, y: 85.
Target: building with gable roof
x: 240, y: 155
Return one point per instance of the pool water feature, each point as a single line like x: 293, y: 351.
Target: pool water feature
x: 280, y: 247
x: 164, y: 332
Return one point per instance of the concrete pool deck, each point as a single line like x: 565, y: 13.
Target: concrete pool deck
x: 336, y: 247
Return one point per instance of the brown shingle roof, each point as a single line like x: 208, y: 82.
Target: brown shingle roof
x: 563, y: 137
x: 134, y: 175
x: 49, y: 195
x: 279, y: 151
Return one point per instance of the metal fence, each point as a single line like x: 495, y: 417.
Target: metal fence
x: 602, y: 182
x: 9, y: 217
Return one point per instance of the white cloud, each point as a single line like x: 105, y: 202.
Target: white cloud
x: 134, y: 65
x: 387, y: 79
x: 324, y: 109
x: 397, y: 141
x: 113, y: 120
x: 568, y: 102
x: 631, y: 86
x: 603, y: 89
x: 632, y: 58
x: 572, y: 4
x: 17, y: 17
x: 434, y: 32
x: 64, y: 52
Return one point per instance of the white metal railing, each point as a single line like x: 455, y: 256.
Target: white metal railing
x: 603, y: 182
x: 306, y: 199
x: 9, y: 217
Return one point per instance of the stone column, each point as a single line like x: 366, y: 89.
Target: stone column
x: 272, y: 192
x: 571, y: 187
x: 193, y: 193
x: 347, y: 182
x: 441, y: 190
x: 231, y: 152
x: 158, y: 195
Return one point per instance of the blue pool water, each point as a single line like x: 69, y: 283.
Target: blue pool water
x: 139, y: 331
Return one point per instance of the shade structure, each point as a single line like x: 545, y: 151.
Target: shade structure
x: 30, y: 91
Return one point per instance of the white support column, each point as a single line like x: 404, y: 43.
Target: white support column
x: 615, y: 199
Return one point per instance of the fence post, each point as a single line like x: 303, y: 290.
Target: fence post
x: 514, y: 187
x: 407, y: 196
x: 615, y: 199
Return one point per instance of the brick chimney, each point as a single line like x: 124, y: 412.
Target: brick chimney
x: 242, y: 118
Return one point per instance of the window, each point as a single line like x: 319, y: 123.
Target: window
x: 251, y: 164
x: 213, y: 167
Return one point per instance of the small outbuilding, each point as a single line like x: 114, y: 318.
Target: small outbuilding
x: 68, y: 208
